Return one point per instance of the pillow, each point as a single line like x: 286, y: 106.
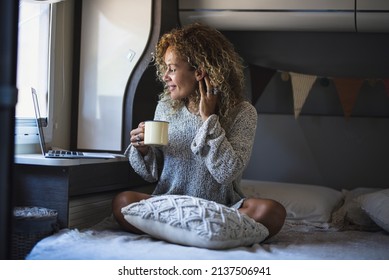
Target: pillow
x: 302, y: 202
x: 376, y: 205
x: 194, y: 221
x: 352, y: 209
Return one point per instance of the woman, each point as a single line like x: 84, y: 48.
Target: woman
x: 211, y: 127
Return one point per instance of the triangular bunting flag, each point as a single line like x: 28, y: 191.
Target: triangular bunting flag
x: 348, y: 90
x: 301, y: 85
x: 260, y: 77
x: 386, y: 84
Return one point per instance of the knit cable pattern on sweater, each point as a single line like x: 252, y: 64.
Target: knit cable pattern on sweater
x: 202, y: 159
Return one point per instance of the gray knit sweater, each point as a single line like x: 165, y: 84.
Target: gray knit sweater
x: 202, y: 159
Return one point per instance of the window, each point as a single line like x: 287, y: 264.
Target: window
x: 33, y: 56
x: 32, y: 66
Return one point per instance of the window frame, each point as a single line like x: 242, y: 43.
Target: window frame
x: 26, y: 127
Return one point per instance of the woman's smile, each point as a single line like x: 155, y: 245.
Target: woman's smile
x: 171, y: 87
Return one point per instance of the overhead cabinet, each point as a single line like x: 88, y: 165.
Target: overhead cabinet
x: 286, y: 15
x: 372, y: 16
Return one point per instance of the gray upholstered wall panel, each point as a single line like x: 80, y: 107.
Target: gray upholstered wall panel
x: 331, y: 151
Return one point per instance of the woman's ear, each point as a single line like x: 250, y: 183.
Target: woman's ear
x: 200, y: 74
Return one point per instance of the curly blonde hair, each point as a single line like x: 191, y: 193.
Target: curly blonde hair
x: 207, y: 49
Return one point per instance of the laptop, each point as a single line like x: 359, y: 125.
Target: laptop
x: 58, y: 153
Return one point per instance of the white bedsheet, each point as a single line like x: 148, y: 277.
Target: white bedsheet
x: 298, y: 242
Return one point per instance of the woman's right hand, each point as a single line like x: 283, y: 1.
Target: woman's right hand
x: 137, y: 137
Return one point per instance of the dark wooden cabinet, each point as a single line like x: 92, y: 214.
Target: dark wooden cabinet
x: 89, y: 183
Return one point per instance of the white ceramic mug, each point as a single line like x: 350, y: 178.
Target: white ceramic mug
x: 156, y: 133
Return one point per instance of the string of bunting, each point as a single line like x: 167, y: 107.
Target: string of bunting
x: 347, y: 88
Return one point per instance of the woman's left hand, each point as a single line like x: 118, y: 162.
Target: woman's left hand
x: 208, y: 98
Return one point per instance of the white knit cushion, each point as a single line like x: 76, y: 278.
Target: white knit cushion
x: 194, y: 222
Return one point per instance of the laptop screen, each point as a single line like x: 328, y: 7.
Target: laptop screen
x: 38, y: 121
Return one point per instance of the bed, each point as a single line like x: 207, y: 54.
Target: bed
x: 322, y: 224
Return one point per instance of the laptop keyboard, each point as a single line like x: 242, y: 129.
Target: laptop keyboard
x: 62, y: 153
